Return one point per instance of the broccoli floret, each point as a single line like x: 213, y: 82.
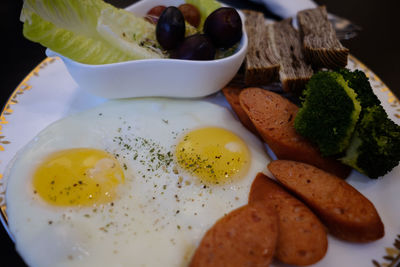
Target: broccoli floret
x: 329, y: 112
x: 341, y: 114
x: 358, y: 81
x: 375, y: 146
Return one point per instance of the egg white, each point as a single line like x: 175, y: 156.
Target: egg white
x: 160, y: 214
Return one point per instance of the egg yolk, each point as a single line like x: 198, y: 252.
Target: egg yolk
x: 79, y: 176
x: 213, y: 154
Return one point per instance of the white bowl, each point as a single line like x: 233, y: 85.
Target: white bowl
x: 156, y: 77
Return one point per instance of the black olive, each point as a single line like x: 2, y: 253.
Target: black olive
x: 170, y: 30
x: 224, y: 26
x: 195, y: 47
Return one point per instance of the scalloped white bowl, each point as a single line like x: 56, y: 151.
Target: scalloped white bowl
x: 156, y: 77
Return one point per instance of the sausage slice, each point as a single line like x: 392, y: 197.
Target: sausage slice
x: 273, y: 116
x: 302, y: 237
x: 347, y: 213
x: 246, y: 236
x: 231, y: 94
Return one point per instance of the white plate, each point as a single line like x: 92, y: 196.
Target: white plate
x: 49, y: 93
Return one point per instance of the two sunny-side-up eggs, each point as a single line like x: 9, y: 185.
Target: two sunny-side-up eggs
x: 129, y: 183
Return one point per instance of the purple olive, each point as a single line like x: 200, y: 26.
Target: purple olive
x: 170, y: 29
x: 195, y: 47
x: 224, y: 26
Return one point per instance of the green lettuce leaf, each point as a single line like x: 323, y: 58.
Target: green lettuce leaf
x: 82, y: 30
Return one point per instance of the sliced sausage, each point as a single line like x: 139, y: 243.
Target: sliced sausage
x: 302, y: 237
x: 347, y: 213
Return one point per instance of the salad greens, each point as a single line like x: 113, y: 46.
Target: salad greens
x: 94, y: 32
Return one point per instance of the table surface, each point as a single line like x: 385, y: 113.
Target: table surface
x: 375, y: 46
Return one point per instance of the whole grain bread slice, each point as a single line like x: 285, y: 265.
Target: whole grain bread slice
x: 294, y: 71
x: 261, y: 63
x: 321, y: 46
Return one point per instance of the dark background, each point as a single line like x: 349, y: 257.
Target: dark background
x: 376, y: 46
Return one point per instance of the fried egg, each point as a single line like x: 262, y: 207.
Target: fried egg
x: 129, y: 183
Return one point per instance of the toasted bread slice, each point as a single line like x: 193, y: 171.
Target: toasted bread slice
x: 294, y: 70
x: 246, y: 236
x: 273, y: 116
x: 322, y: 49
x: 302, y: 238
x: 345, y: 211
x: 261, y: 63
